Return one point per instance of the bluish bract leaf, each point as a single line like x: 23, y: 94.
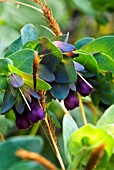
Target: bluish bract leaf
x: 28, y: 33
x: 52, y: 55
x: 60, y: 91
x: 65, y: 71
x: 20, y: 104
x: 63, y: 38
x: 15, y: 80
x: 8, y: 101
x: 15, y: 46
x: 54, y: 119
x: 45, y: 73
x: 64, y: 47
x: 23, y: 60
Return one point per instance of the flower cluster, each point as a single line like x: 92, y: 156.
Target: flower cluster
x: 82, y: 86
x: 24, y: 102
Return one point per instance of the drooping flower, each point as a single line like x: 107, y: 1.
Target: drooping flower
x: 34, y: 114
x: 71, y: 101
x: 83, y: 87
x: 24, y: 102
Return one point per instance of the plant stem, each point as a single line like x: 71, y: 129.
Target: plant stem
x: 55, y: 146
x: 82, y: 110
x: 34, y: 129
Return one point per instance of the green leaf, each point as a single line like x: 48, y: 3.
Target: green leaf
x: 103, y: 5
x: 60, y: 91
x: 28, y: 79
x: 63, y: 38
x: 69, y: 126
x: 51, y: 54
x: 87, y: 139
x: 105, y: 62
x: 4, y: 66
x: 3, y: 82
x: 9, y: 147
x: 26, y: 165
x: 23, y: 60
x: 15, y: 46
x: 105, y: 52
x: 107, y: 120
x: 88, y: 62
x: 65, y: 71
x: 45, y: 73
x: 84, y: 41
x: 3, y: 124
x: 28, y: 33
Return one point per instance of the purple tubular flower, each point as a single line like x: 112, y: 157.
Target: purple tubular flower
x: 71, y: 101
x: 83, y: 87
x: 23, y: 120
x: 36, y: 113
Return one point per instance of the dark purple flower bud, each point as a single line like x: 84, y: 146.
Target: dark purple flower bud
x: 83, y: 87
x: 23, y: 120
x: 71, y: 101
x: 36, y: 112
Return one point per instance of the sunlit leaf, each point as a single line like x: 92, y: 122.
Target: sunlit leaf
x: 23, y: 60
x: 28, y: 79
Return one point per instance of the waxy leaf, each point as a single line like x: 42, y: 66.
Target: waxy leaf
x: 84, y: 41
x: 15, y: 80
x: 88, y: 61
x: 28, y: 33
x: 8, y: 101
x: 15, y: 46
x: 69, y: 126
x: 65, y: 71
x: 9, y: 148
x: 60, y: 91
x: 23, y: 60
x: 45, y: 73
x: 63, y: 37
x: 28, y: 79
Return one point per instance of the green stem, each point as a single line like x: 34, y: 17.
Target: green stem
x: 82, y: 110
x: 34, y: 129
x: 55, y: 146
